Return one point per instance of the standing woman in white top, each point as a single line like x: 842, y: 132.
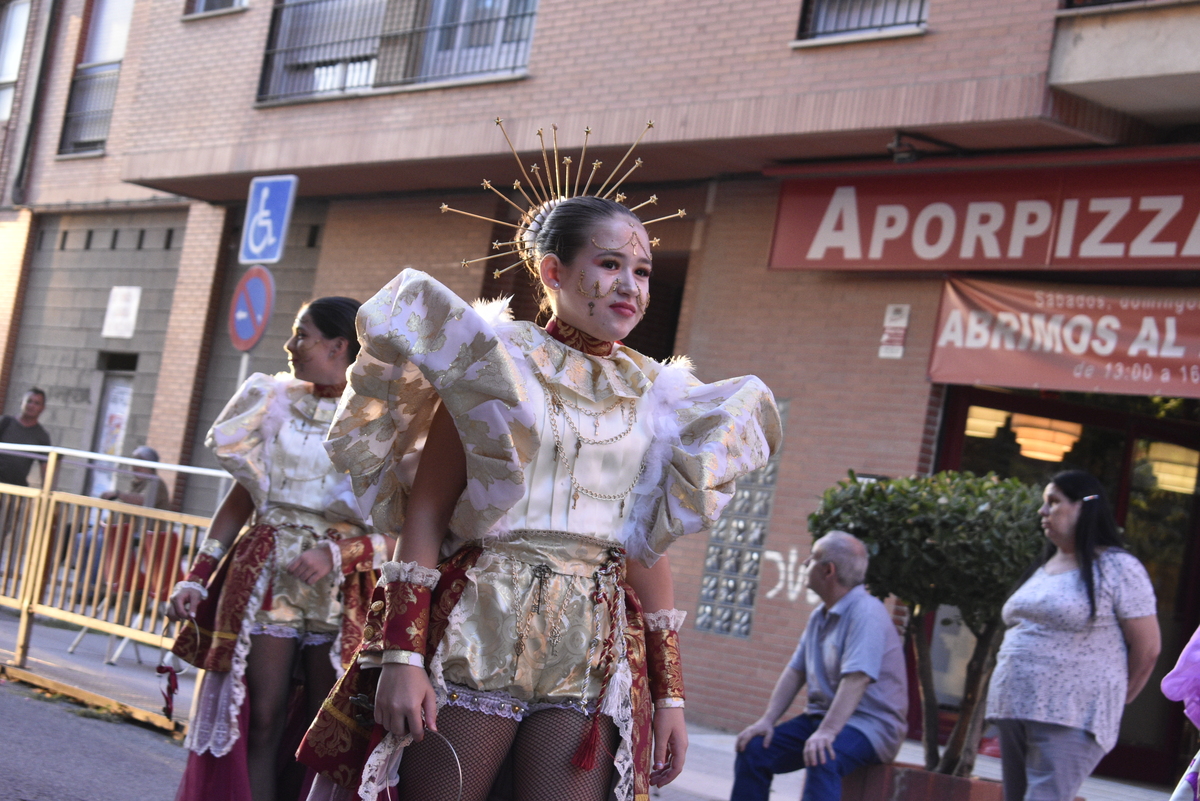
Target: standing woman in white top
x: 1081, y: 641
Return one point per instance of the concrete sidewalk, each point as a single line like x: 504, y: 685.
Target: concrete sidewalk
x: 707, y: 776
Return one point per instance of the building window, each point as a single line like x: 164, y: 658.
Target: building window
x: 330, y: 47
x: 835, y: 17
x: 202, y: 6
x: 14, y: 18
x: 730, y: 582
x: 94, y: 87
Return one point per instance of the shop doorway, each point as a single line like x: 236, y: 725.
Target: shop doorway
x: 1146, y: 451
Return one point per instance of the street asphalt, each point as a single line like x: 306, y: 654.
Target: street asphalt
x: 56, y: 750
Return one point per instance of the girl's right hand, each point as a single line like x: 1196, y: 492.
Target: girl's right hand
x: 184, y: 604
x: 405, y: 702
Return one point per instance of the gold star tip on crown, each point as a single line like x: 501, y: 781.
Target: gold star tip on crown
x: 445, y: 208
x: 649, y: 123
x: 499, y: 121
x: 533, y: 168
x: 464, y: 263
x: 620, y: 198
x: 487, y: 184
x: 495, y: 274
x: 655, y: 242
x: 637, y: 162
x: 496, y: 245
x: 682, y: 213
x: 587, y: 130
x: 566, y: 160
x: 596, y: 165
x: 517, y: 184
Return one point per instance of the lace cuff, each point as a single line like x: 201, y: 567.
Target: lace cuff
x: 410, y: 572
x: 665, y: 620
x: 189, y: 585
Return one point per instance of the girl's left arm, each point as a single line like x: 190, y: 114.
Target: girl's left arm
x: 1144, y: 642
x: 656, y: 591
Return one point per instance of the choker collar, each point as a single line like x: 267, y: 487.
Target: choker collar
x: 328, y: 390
x: 574, y: 338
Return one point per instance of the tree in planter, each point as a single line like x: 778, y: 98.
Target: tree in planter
x: 952, y: 538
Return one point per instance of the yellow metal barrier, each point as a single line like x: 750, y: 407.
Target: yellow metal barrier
x: 105, y: 565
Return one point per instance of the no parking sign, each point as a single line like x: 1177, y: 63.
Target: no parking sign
x: 251, y: 307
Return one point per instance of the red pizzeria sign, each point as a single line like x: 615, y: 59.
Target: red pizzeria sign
x: 1079, y: 217
x: 1126, y: 340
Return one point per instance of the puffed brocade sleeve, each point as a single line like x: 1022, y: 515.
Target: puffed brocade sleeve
x: 706, y: 436
x: 421, y: 343
x: 237, y: 437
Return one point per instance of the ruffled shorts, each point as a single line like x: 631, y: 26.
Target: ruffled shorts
x: 531, y: 627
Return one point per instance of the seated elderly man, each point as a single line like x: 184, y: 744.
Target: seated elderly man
x: 852, y: 660
x: 145, y: 487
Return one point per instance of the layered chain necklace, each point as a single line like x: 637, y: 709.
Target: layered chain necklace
x: 557, y: 405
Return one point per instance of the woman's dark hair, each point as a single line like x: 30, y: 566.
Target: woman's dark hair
x: 334, y: 317
x: 570, y: 222
x: 1096, y: 527
x: 564, y: 230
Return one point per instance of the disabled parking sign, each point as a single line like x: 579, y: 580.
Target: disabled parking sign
x: 268, y: 212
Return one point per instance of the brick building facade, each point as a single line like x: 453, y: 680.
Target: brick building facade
x: 383, y: 109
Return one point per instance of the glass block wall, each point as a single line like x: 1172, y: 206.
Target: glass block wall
x: 735, y: 552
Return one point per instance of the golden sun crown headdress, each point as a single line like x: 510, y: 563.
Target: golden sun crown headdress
x: 550, y: 190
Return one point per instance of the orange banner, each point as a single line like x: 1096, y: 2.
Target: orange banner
x: 1072, y: 337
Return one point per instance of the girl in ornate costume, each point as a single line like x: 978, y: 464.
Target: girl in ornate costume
x: 536, y: 476
x: 299, y: 574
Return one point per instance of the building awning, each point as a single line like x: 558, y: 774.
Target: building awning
x: 1069, y: 337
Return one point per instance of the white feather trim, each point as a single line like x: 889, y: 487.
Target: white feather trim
x: 494, y: 311
x: 668, y: 395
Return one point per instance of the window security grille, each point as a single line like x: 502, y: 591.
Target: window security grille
x: 324, y: 47
x: 730, y: 582
x: 833, y: 17
x: 89, y: 108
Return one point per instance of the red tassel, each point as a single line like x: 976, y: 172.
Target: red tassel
x: 172, y: 687
x: 585, y: 755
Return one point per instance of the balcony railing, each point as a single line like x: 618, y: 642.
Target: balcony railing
x: 329, y: 47
x: 1086, y: 3
x: 89, y: 107
x: 835, y: 17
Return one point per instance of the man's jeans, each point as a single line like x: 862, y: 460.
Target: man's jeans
x: 756, y: 766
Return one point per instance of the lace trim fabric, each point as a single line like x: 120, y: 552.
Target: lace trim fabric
x: 213, y: 726
x: 189, y: 585
x: 410, y: 572
x: 315, y: 638
x: 504, y: 705
x: 665, y: 620
x: 275, y: 630
x: 382, y: 768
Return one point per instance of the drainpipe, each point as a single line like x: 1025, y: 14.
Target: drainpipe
x: 25, y: 165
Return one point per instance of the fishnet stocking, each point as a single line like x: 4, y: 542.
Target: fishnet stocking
x: 428, y: 771
x: 542, y: 769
